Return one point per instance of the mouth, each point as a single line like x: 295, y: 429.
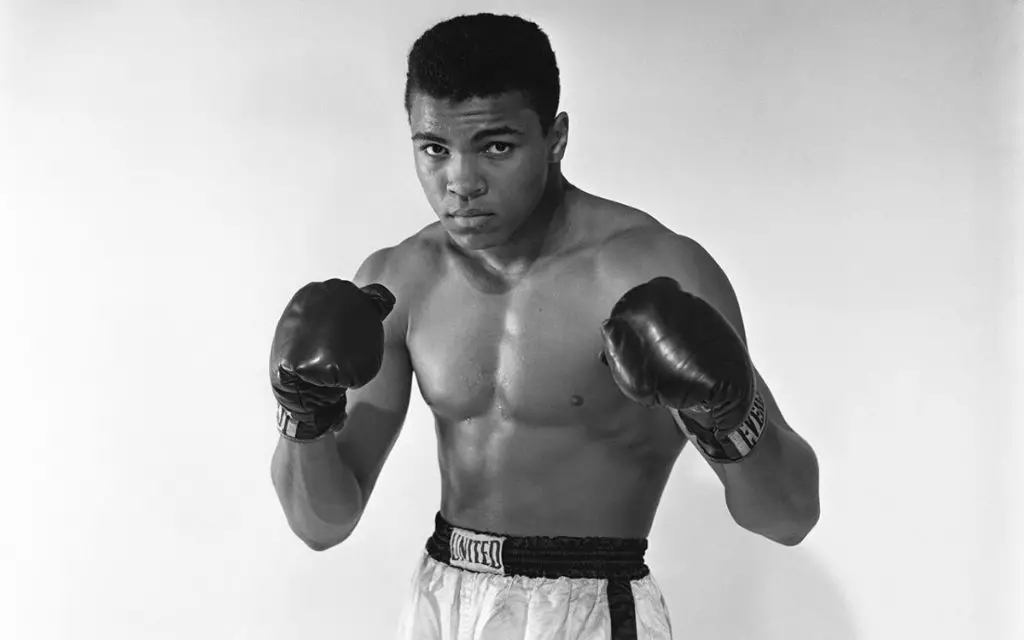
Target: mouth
x: 468, y: 213
x: 469, y: 221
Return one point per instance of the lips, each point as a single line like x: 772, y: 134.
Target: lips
x: 467, y: 221
x: 468, y: 213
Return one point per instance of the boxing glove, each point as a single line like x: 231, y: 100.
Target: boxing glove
x: 329, y: 339
x: 665, y: 346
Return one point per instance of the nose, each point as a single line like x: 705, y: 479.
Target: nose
x: 464, y: 179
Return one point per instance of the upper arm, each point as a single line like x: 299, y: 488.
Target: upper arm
x: 700, y: 274
x: 377, y: 411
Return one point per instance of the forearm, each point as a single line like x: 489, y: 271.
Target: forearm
x: 320, y: 495
x: 774, y: 490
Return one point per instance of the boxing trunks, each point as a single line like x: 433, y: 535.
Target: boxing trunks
x: 473, y: 585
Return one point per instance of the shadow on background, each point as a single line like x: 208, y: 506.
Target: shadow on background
x: 724, y: 583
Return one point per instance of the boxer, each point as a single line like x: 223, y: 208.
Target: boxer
x: 568, y: 346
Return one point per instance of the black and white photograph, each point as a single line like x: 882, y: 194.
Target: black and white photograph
x: 452, y: 320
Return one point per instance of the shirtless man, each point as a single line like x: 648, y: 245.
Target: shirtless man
x: 568, y: 347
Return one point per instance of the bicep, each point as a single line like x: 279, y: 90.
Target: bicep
x: 377, y: 410
x: 707, y: 280
x: 376, y: 414
x: 700, y: 273
x: 710, y: 283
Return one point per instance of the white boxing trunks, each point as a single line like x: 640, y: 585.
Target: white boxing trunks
x: 473, y: 585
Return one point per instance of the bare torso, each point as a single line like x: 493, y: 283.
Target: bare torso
x: 534, y: 437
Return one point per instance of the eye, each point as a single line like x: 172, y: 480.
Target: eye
x: 500, y: 148
x: 433, y: 150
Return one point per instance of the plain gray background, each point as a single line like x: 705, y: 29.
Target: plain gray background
x: 174, y: 170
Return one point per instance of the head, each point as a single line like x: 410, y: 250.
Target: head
x: 481, y: 95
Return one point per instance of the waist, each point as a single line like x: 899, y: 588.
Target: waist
x: 537, y: 556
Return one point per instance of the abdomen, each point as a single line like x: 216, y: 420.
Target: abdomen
x: 601, y: 479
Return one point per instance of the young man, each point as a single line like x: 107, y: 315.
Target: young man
x: 568, y: 347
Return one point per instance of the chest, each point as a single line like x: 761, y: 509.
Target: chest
x: 530, y: 355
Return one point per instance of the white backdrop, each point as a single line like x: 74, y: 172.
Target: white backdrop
x: 173, y: 170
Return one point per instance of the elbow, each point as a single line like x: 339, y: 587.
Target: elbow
x: 322, y: 545
x: 798, y: 526
x: 320, y: 534
x: 323, y: 540
x: 317, y: 545
x: 788, y: 525
x: 316, y: 533
x: 793, y: 537
x: 320, y: 525
x: 802, y: 510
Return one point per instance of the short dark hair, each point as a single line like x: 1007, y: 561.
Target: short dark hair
x: 483, y: 55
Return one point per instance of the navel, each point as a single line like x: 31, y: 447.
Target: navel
x: 576, y: 401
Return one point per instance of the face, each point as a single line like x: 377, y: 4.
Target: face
x: 483, y: 164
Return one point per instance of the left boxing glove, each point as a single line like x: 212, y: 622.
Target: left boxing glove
x: 667, y: 347
x: 329, y: 339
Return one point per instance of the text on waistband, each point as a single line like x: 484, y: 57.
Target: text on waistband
x: 476, y: 551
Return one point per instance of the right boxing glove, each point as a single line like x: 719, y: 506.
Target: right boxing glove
x: 330, y: 338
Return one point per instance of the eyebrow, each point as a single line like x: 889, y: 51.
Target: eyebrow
x: 503, y: 130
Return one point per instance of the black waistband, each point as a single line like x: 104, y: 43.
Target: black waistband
x: 536, y: 556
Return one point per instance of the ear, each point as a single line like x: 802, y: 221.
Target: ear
x: 559, y: 137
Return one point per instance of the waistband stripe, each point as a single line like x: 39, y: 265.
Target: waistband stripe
x: 547, y: 557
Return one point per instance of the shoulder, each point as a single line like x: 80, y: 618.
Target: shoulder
x: 651, y: 250
x: 641, y: 247
x: 403, y: 263
x: 403, y: 268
